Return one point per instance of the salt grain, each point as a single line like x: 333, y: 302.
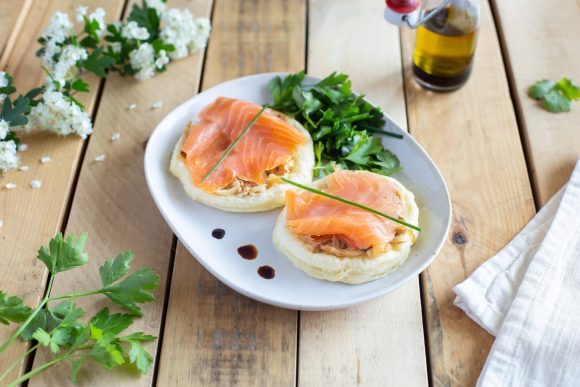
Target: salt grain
x: 132, y: 106
x: 22, y: 147
x: 23, y: 168
x: 116, y: 137
x: 100, y: 158
x: 10, y: 186
x: 157, y: 105
x: 35, y: 184
x: 45, y: 159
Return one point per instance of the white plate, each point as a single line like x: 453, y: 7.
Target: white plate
x: 193, y: 222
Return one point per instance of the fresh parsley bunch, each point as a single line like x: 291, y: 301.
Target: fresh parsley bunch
x: 341, y: 123
x: 56, y: 323
x: 555, y: 97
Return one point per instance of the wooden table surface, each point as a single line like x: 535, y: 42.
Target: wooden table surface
x: 501, y: 155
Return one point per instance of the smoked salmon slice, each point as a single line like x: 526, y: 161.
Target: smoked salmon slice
x: 310, y: 214
x: 269, y: 144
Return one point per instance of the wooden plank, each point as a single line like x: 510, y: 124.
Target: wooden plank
x: 32, y: 217
x: 12, y: 16
x: 543, y: 44
x: 380, y: 343
x: 112, y: 202
x: 214, y: 336
x: 473, y: 137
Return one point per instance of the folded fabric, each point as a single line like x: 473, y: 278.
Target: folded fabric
x: 528, y: 296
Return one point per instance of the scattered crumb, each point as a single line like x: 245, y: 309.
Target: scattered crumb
x: 22, y: 147
x: 10, y: 186
x: 1, y: 223
x: 116, y: 136
x: 35, y: 184
x: 157, y: 105
x: 45, y: 159
x: 23, y: 168
x: 132, y: 106
x: 100, y: 158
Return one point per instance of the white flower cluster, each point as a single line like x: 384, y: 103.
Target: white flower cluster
x: 184, y: 32
x: 56, y: 114
x: 98, y: 15
x: 131, y: 30
x: 3, y: 83
x: 157, y: 5
x: 8, y: 156
x: 144, y: 62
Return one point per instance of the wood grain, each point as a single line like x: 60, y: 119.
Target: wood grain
x: 473, y: 137
x: 31, y: 217
x: 112, y: 202
x: 379, y: 343
x: 214, y: 336
x: 543, y: 44
x: 12, y: 16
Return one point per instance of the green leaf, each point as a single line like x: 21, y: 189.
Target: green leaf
x: 80, y: 85
x: 555, y: 102
x: 65, y: 312
x: 64, y: 254
x: 15, y: 112
x: 9, y: 88
x: 109, y: 355
x: 39, y: 321
x: 138, y: 336
x: 140, y: 357
x: 540, y: 88
x: 281, y: 89
x: 111, y: 324
x: 98, y: 62
x: 134, y: 289
x: 74, y: 372
x: 388, y: 162
x: 569, y: 89
x: 115, y: 268
x: 364, y: 148
x: 42, y: 336
x: 146, y: 17
x: 12, y: 309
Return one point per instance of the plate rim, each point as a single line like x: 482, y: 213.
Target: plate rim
x: 273, y: 301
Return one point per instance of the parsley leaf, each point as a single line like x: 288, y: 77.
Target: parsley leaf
x: 569, y: 89
x: 12, y: 309
x: 539, y: 89
x: 111, y: 324
x: 64, y: 254
x: 115, y: 268
x: 555, y: 97
x: 74, y: 372
x: 139, y: 356
x: 134, y: 289
x: 555, y: 102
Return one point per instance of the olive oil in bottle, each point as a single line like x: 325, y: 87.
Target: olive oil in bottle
x: 445, y: 45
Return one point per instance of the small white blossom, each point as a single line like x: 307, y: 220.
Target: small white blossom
x: 59, y: 28
x: 157, y: 5
x: 23, y: 168
x: 131, y: 30
x: 115, y: 137
x: 157, y: 105
x: 185, y: 33
x: 22, y: 147
x: 3, y: 83
x: 8, y: 157
x: 98, y: 15
x: 132, y: 106
x: 100, y: 157
x: 4, y: 129
x: 60, y: 116
x: 68, y: 58
x: 142, y: 60
x: 10, y: 186
x: 35, y: 184
x: 116, y: 47
x: 80, y: 13
x: 45, y: 159
x: 162, y: 59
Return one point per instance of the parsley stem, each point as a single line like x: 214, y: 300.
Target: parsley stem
x: 7, y: 371
x: 346, y: 201
x: 30, y: 317
x: 77, y: 295
x: 233, y: 144
x: 39, y: 369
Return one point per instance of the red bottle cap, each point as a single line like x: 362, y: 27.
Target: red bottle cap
x: 403, y: 6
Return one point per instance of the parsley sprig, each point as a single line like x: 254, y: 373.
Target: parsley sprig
x: 341, y: 123
x: 555, y: 97
x: 58, y: 326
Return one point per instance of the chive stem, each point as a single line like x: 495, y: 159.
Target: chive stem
x: 233, y: 144
x: 346, y: 201
x: 372, y: 129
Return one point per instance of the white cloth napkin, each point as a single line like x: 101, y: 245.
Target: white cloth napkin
x: 528, y: 296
